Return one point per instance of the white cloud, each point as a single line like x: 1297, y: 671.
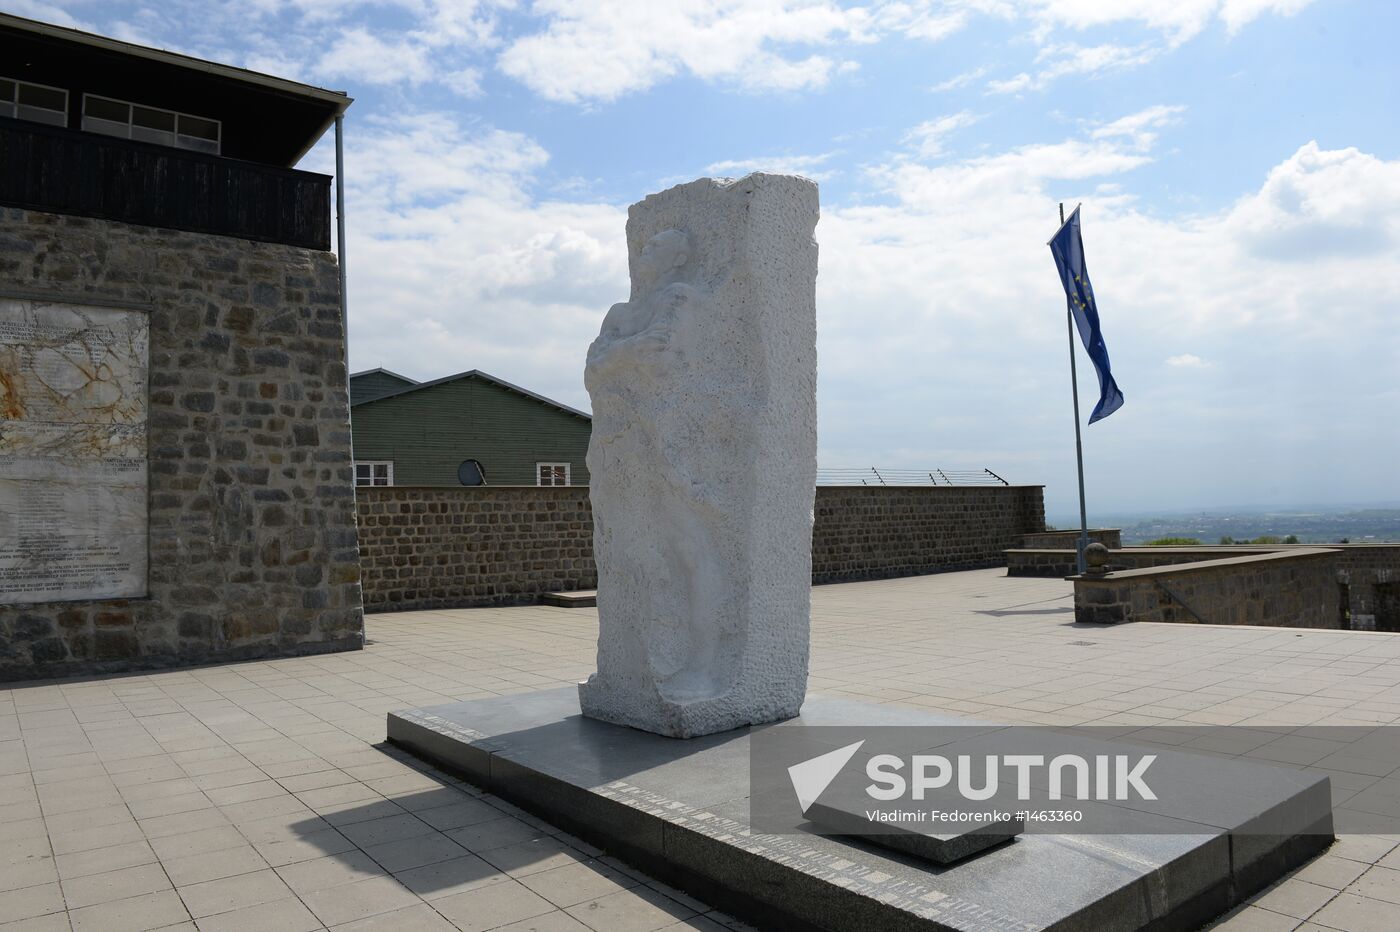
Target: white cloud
x: 959, y: 80
x: 808, y: 166
x: 927, y: 137
x: 603, y: 49
x: 982, y: 185
x: 275, y: 64
x: 945, y: 302
x: 942, y: 325
x: 582, y: 51
x: 1178, y: 20
x: 350, y: 42
x: 1139, y: 128
x: 1065, y: 60
x: 44, y: 12
x: 368, y: 59
x: 464, y: 81
x: 1236, y: 14
x: 468, y: 24
x: 454, y: 263
x: 922, y: 19
x: 1321, y: 202
x: 430, y: 157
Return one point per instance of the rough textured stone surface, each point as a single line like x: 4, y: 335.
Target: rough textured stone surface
x: 1370, y: 574
x: 1110, y: 537
x: 251, y: 502
x: 1059, y: 560
x: 1296, y: 589
x: 503, y: 545
x: 877, y: 532
x: 703, y: 460
x: 1363, y: 571
x: 488, y: 545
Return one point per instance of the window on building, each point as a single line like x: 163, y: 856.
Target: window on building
x: 380, y: 473
x: 36, y: 102
x: 552, y: 473
x: 471, y: 472
x: 150, y: 124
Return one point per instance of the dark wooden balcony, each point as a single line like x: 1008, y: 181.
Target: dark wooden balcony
x: 69, y: 172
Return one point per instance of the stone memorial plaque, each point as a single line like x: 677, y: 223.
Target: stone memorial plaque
x: 72, y: 451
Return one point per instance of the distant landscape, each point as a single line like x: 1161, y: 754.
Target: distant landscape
x: 1309, y: 526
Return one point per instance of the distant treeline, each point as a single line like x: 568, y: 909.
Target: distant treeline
x: 1257, y: 528
x: 1226, y: 540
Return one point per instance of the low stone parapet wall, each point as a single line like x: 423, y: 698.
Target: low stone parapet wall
x: 1110, y: 537
x: 1293, y: 589
x: 460, y: 547
x: 879, y: 532
x: 507, y: 545
x: 1371, y: 575
x: 1058, y: 561
x: 1368, y: 575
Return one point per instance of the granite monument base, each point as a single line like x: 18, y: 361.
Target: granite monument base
x: 679, y: 810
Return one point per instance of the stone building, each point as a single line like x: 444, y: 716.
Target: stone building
x: 176, y: 483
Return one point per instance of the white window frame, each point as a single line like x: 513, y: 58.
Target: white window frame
x: 175, y: 134
x: 539, y: 474
x: 388, y: 474
x: 10, y: 108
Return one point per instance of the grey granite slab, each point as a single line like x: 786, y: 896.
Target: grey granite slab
x: 844, y: 817
x: 680, y: 811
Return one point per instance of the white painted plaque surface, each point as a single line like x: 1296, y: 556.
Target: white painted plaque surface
x: 72, y: 452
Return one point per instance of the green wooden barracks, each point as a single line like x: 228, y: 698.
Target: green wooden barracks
x: 466, y: 429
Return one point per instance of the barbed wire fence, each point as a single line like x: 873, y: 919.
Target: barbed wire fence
x: 871, y: 475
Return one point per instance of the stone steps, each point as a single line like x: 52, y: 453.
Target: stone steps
x: 583, y: 598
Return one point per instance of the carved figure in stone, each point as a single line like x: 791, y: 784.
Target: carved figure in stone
x: 702, y: 460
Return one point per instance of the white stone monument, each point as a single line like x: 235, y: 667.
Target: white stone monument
x: 703, y: 460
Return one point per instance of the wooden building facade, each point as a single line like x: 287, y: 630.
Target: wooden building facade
x: 462, y: 430
x: 96, y: 127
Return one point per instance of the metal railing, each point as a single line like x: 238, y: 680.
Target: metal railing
x: 870, y: 475
x: 63, y: 171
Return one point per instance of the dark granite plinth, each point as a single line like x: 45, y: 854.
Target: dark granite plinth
x: 843, y: 819
x: 680, y: 811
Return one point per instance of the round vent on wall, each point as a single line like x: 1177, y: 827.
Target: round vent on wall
x: 471, y: 473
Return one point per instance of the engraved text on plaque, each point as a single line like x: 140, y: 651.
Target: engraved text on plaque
x: 72, y: 452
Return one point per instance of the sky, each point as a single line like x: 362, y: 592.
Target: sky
x: 1238, y: 163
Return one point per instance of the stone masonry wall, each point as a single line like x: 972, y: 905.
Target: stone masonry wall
x: 1110, y: 537
x: 878, y: 532
x: 1057, y: 562
x: 1296, y: 589
x: 1363, y: 569
x: 503, y: 545
x: 489, y: 545
x: 1387, y: 607
x: 1368, y: 571
x: 251, y: 499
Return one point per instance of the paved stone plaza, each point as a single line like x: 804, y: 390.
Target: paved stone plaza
x: 259, y: 796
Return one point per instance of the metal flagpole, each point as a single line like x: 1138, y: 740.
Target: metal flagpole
x: 340, y: 259
x: 1078, y: 442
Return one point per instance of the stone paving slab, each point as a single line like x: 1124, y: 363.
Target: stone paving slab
x: 964, y: 643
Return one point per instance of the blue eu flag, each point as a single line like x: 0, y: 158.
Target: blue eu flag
x: 1068, y: 249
